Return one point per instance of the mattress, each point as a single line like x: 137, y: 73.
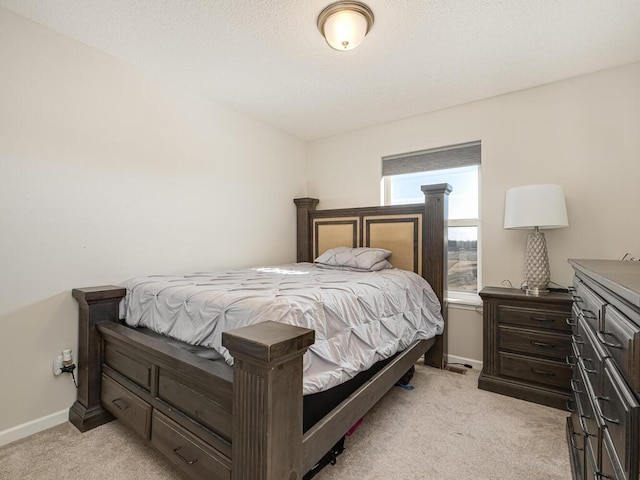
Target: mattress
x: 359, y: 317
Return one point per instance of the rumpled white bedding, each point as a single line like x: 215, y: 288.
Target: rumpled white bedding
x: 359, y: 317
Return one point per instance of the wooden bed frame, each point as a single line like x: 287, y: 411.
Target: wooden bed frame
x: 247, y: 425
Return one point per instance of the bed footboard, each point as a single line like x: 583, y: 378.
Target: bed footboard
x: 188, y: 407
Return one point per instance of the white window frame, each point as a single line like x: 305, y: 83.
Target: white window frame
x: 453, y: 297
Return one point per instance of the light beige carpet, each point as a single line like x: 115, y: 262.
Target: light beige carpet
x: 445, y: 429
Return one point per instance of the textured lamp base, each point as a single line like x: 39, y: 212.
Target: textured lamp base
x: 536, y: 264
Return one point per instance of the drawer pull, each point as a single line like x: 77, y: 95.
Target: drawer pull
x: 598, y: 474
x: 542, y: 372
x: 569, y: 361
x: 176, y: 451
x: 569, y: 407
x: 577, y: 299
x: 573, y: 444
x: 574, y: 389
x: 570, y: 322
x: 541, y: 319
x: 609, y: 420
x: 577, y: 339
x: 592, y: 371
x: 588, y: 314
x: 583, y: 426
x: 600, y: 334
x: 120, y: 403
x: 604, y: 417
x: 542, y: 344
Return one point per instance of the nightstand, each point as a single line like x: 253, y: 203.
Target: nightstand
x: 526, y: 344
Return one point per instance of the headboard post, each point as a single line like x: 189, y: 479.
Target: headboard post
x: 97, y: 304
x: 435, y: 262
x: 304, y: 206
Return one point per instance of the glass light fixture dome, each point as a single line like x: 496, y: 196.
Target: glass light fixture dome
x: 345, y: 24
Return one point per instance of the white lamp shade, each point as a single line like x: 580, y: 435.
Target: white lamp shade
x: 345, y: 29
x: 531, y: 206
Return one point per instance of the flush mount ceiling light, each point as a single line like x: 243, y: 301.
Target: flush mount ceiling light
x: 345, y: 24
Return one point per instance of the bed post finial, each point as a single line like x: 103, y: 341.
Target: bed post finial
x: 304, y: 205
x: 266, y: 440
x: 97, y: 304
x: 435, y: 266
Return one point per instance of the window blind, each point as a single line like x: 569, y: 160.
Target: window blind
x: 453, y: 156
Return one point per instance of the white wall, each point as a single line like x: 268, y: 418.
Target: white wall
x: 581, y: 133
x: 106, y: 174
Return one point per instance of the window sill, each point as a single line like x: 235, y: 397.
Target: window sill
x: 464, y: 300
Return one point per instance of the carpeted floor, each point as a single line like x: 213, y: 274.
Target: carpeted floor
x: 444, y: 429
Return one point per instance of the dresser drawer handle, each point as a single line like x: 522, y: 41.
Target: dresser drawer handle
x: 176, y: 451
x: 600, y: 334
x: 584, y: 426
x: 588, y: 314
x: 571, y: 361
x: 542, y: 344
x: 542, y: 372
x: 577, y: 339
x: 577, y: 299
x: 541, y: 319
x: 569, y: 407
x: 120, y: 403
x: 599, y: 474
x: 570, y: 322
x: 592, y: 371
x: 610, y: 420
x: 573, y: 444
x: 574, y: 389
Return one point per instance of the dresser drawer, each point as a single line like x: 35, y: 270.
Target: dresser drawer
x: 590, y: 460
x: 621, y: 338
x: 611, y: 466
x: 126, y: 406
x: 591, y: 356
x: 534, y: 318
x: 187, y: 452
x: 546, y: 344
x: 590, y: 422
x: 619, y: 410
x: 590, y: 305
x: 536, y: 370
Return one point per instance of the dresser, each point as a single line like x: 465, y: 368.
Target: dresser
x: 526, y: 341
x: 603, y: 428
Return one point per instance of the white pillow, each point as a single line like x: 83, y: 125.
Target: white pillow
x: 361, y: 259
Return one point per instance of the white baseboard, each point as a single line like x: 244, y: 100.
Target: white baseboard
x: 476, y: 364
x: 34, y: 426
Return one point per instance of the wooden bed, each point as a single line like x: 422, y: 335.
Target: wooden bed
x: 246, y: 422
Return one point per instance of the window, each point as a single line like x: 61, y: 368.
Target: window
x: 458, y: 166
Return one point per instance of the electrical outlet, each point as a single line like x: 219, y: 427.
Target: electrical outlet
x: 57, y: 365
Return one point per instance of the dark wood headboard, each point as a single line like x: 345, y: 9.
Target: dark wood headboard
x: 416, y: 235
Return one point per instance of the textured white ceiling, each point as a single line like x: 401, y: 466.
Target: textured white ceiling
x: 266, y: 58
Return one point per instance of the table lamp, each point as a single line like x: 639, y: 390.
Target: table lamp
x: 536, y: 207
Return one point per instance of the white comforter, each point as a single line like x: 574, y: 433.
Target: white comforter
x: 359, y: 317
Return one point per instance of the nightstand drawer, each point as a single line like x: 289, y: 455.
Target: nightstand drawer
x: 553, y: 345
x: 534, y: 318
x: 536, y: 370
